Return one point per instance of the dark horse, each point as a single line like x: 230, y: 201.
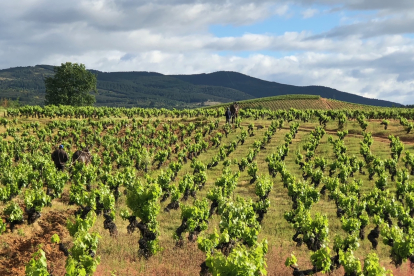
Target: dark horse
x: 82, y: 156
x: 234, y: 109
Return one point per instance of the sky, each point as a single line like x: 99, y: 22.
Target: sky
x: 364, y: 47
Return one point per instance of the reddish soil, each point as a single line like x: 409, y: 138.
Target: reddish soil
x: 16, y: 251
x: 326, y: 103
x: 379, y: 138
x: 186, y: 261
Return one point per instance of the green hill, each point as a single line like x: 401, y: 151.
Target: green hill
x: 260, y: 88
x: 127, y: 89
x: 149, y: 89
x: 300, y: 102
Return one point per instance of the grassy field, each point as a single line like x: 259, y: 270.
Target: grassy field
x: 119, y: 255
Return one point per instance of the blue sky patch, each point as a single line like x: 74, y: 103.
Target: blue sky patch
x: 278, y: 25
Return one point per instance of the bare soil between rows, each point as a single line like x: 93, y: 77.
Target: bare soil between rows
x: 379, y: 138
x: 16, y: 251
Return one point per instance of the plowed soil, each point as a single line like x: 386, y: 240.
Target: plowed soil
x: 16, y: 251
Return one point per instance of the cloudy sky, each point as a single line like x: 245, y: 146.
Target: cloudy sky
x: 364, y: 47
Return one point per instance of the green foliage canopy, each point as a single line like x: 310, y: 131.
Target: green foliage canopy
x: 70, y: 85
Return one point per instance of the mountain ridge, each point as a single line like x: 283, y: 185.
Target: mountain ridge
x: 153, y: 89
x: 323, y: 91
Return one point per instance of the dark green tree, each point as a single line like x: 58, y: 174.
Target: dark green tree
x: 71, y: 85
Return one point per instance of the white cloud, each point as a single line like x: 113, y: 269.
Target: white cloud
x: 281, y: 10
x: 369, y: 54
x: 308, y: 13
x: 361, y: 72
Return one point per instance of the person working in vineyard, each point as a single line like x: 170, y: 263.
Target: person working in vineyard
x: 228, y: 115
x: 60, y: 157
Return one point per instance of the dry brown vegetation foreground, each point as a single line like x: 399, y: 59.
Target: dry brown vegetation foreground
x: 119, y: 255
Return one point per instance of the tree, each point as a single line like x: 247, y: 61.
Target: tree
x: 70, y: 85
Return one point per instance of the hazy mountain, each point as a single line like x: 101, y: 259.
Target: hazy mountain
x: 259, y: 88
x: 154, y: 89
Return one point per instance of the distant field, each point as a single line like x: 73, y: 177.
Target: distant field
x: 300, y: 102
x: 208, y: 103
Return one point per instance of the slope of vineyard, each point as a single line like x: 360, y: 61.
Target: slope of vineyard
x: 300, y: 102
x: 166, y: 188
x: 335, y: 104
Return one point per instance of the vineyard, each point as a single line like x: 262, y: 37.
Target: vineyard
x: 179, y: 192
x: 301, y: 102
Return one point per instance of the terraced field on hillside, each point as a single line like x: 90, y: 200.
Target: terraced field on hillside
x: 300, y: 102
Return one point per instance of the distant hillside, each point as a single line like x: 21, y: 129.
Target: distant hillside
x: 259, y: 88
x: 127, y: 89
x: 300, y: 102
x: 149, y: 89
